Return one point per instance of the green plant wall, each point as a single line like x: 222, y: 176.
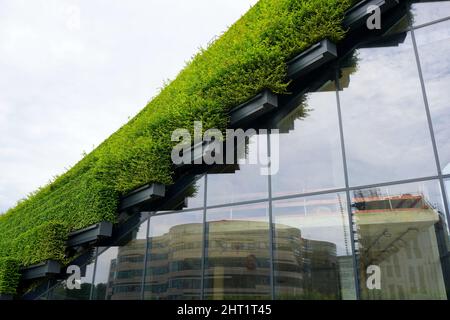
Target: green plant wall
x: 9, y: 276
x: 249, y: 57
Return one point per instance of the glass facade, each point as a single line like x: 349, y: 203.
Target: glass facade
x: 174, y: 256
x: 236, y: 183
x: 356, y: 207
x: 312, y: 248
x: 433, y: 44
x: 424, y: 13
x: 386, y: 131
x: 315, y: 120
x: 119, y: 269
x: 401, y: 229
x: 237, y: 253
x: 60, y: 290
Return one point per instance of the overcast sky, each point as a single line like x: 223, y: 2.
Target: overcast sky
x: 72, y: 72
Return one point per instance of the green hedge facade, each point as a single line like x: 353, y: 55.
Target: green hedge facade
x: 249, y: 57
x: 9, y: 276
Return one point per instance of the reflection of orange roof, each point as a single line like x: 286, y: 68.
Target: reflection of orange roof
x: 387, y: 198
x: 387, y: 210
x: 406, y: 202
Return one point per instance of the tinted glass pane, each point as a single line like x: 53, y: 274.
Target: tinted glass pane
x: 313, y: 254
x: 174, y: 257
x: 310, y: 156
x: 434, y: 52
x: 197, y: 195
x: 188, y: 193
x: 61, y: 290
x: 385, y: 126
x: 40, y: 290
x: 447, y: 186
x: 238, y: 255
x: 430, y: 11
x: 236, y: 183
x: 402, y: 236
x: 119, y: 269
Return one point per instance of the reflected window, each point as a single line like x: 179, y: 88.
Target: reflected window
x: 62, y: 292
x: 434, y: 52
x: 386, y: 132
x: 241, y: 182
x: 238, y: 253
x: 430, y: 11
x: 119, y: 269
x: 313, y: 253
x: 310, y: 157
x: 175, y: 247
x: 402, y: 235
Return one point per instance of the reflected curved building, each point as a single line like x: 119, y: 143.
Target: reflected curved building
x: 238, y: 264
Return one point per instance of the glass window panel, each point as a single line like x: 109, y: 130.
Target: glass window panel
x: 447, y: 191
x: 313, y: 255
x: 310, y: 157
x: 430, y: 11
x: 196, y: 194
x: 447, y: 186
x: 174, y: 257
x: 386, y: 131
x: 119, y: 269
x: 434, y: 51
x: 238, y: 253
x: 402, y: 236
x: 188, y: 194
x: 40, y: 290
x: 236, y: 183
x: 61, y: 292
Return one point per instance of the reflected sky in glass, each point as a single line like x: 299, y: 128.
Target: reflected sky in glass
x: 246, y: 183
x: 430, y: 11
x: 447, y: 190
x: 196, y: 200
x: 434, y: 51
x: 386, y: 131
x: 161, y: 224
x: 310, y: 154
x: 319, y: 218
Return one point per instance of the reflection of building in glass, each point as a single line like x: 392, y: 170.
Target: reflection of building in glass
x: 125, y: 272
x: 306, y: 268
x: 400, y: 234
x: 237, y: 264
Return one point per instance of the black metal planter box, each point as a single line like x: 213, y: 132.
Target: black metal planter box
x: 90, y: 234
x: 313, y: 58
x: 6, y: 297
x: 41, y: 270
x: 143, y: 195
x: 254, y: 108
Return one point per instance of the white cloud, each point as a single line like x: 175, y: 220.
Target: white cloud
x: 73, y: 72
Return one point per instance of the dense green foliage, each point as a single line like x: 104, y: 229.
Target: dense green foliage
x: 249, y: 57
x: 9, y: 275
